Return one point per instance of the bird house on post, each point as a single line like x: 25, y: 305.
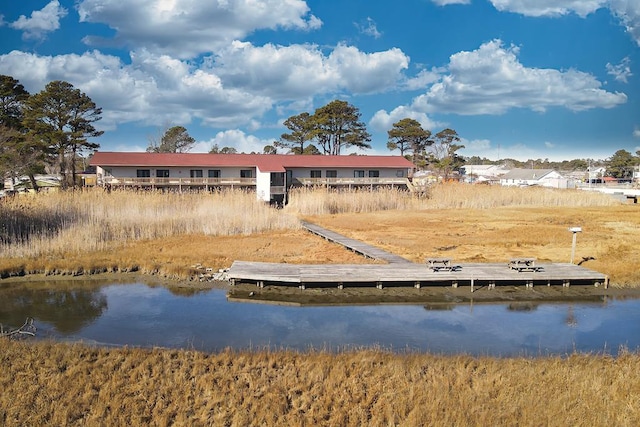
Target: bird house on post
x: 574, y: 231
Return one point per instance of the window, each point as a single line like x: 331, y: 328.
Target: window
x: 143, y: 173
x: 400, y: 173
x: 195, y: 173
x: 358, y: 174
x: 162, y: 173
x: 213, y: 173
x: 331, y: 174
x: 374, y: 174
x: 246, y: 173
x: 316, y: 174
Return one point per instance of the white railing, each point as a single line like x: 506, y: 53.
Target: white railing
x: 170, y: 182
x: 353, y: 181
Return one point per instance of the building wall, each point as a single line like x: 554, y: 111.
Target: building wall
x: 347, y: 172
x: 263, y: 186
x: 174, y: 172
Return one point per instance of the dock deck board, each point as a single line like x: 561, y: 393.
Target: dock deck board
x: 357, y: 246
x: 408, y: 274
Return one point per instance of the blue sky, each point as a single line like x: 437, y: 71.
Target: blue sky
x: 523, y: 79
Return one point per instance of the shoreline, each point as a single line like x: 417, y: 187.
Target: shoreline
x: 438, y: 296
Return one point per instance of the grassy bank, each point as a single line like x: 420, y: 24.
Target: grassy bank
x: 157, y: 233
x: 58, y: 384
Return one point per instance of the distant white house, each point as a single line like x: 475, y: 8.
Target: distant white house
x: 595, y: 173
x: 483, y: 173
x: 540, y: 177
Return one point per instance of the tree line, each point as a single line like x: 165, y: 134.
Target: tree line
x: 335, y: 127
x: 46, y: 130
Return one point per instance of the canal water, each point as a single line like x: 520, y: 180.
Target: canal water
x: 140, y: 315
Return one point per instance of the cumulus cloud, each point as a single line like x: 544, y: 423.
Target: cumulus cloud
x: 288, y: 72
x: 187, y: 28
x: 382, y: 120
x: 423, y: 79
x: 549, y: 7
x: 234, y: 138
x: 232, y: 89
x: 491, y: 80
x: 152, y: 89
x: 628, y: 11
x: 41, y: 21
x: 622, y: 71
x: 636, y: 133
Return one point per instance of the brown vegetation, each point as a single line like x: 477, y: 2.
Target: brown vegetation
x: 94, y: 231
x: 60, y: 384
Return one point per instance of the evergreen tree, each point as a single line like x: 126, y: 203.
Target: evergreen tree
x: 176, y: 139
x: 60, y: 118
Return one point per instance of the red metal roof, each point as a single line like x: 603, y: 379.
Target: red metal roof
x: 264, y: 162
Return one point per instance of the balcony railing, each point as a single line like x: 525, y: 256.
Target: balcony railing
x: 353, y: 181
x: 178, y: 182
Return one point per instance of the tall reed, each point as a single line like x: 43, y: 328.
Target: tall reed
x: 320, y: 200
x: 43, y: 224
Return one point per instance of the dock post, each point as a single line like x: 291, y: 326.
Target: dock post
x: 340, y: 285
x: 606, y: 282
x: 417, y: 285
x: 472, y: 285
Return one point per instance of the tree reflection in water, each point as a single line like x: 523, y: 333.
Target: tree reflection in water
x: 67, y: 310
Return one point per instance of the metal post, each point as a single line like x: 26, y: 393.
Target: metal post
x: 575, y: 231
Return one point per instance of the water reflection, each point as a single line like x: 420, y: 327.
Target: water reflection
x: 69, y: 311
x: 140, y: 315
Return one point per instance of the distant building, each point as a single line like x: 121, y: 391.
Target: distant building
x: 540, y: 177
x: 483, y: 173
x: 269, y: 175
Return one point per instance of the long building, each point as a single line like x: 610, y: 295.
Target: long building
x: 271, y: 175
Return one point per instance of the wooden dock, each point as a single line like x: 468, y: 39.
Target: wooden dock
x: 356, y: 246
x: 473, y: 275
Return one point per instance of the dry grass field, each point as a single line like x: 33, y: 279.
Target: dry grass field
x: 94, y: 231
x: 69, y: 385
x: 165, y: 234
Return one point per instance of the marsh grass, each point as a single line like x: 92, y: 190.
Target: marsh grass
x: 323, y: 201
x: 84, y: 221
x: 61, y: 384
x: 166, y: 233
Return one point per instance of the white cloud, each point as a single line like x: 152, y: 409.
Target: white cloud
x: 369, y: 28
x: 628, y: 11
x: 41, y: 21
x: 491, y: 80
x: 291, y: 72
x: 423, y: 79
x: 477, y: 147
x: 548, y: 144
x: 622, y: 71
x: 187, y: 28
x: 234, y: 88
x: 636, y: 133
x: 234, y: 138
x: 447, y: 2
x: 152, y: 89
x: 549, y: 7
x: 382, y: 121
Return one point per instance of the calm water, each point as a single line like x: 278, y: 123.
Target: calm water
x: 139, y: 315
